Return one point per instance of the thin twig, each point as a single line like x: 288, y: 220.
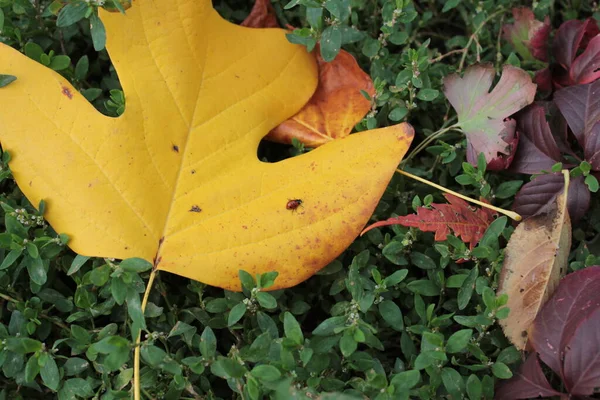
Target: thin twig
x: 136, y: 353
x: 510, y: 214
x: 440, y: 58
x: 474, y: 35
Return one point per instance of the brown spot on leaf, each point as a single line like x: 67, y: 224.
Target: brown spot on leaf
x: 195, y: 209
x: 193, y: 171
x: 176, y: 148
x: 67, y: 92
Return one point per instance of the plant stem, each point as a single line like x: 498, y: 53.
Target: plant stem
x: 473, y: 37
x: 136, y: 354
x: 430, y: 139
x: 510, y: 214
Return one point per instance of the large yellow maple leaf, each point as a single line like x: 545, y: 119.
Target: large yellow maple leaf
x: 176, y: 179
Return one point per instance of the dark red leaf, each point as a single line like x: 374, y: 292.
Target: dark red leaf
x: 575, y: 299
x: 580, y: 105
x: 261, y: 16
x: 538, y: 149
x: 468, y: 223
x: 592, y: 147
x: 571, y: 36
x: 536, y: 196
x: 543, y: 80
x: 586, y: 67
x: 581, y: 367
x: 529, y: 382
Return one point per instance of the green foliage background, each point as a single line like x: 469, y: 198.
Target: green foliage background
x: 396, y: 316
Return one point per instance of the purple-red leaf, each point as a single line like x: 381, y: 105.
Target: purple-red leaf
x: 592, y: 147
x: 575, y: 299
x: 528, y: 36
x: 458, y: 217
x: 571, y: 36
x: 529, y: 382
x: 580, y: 105
x: 537, y: 149
x: 581, y: 367
x: 586, y: 67
x: 536, y: 196
x: 481, y: 113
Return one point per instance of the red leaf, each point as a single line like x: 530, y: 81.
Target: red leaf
x: 571, y: 36
x: 538, y: 149
x: 586, y: 67
x: 575, y: 299
x: 536, y: 196
x: 581, y: 367
x: 528, y: 35
x: 261, y: 16
x: 529, y: 382
x: 580, y: 106
x: 501, y: 161
x: 543, y: 78
x: 458, y: 217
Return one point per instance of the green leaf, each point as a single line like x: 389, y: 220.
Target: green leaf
x: 98, y: 32
x: 458, y: 340
x: 118, y: 289
x: 10, y: 258
x: 100, y: 275
x: 507, y: 189
x: 266, y: 373
x: 32, y: 368
x: 453, y: 382
x: 474, y: 388
x: 23, y: 345
x: 398, y: 113
x: 424, y: 287
x: 5, y: 80
x: 422, y: 261
x: 331, y: 42
x: 75, y: 366
x: 292, y: 328
x: 36, y: 270
x: 135, y: 265
x: 428, y: 94
x: 449, y: 5
x: 405, y: 380
x: 392, y: 314
x: 227, y: 368
x: 208, y: 343
x: 268, y: 279
x: 82, y: 67
x: 501, y: 370
x: 49, y: 374
x: 266, y: 300
x: 395, y: 278
x: 72, y: 13
x: 236, y: 313
x: 59, y: 63
x: 347, y: 344
x: 77, y: 263
x: 247, y: 280
x: 466, y: 290
x: 328, y: 326
x: 592, y: 183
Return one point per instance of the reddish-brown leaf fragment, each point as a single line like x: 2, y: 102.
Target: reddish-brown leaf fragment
x: 581, y: 367
x: 528, y: 383
x: 261, y: 16
x: 458, y: 217
x: 335, y: 107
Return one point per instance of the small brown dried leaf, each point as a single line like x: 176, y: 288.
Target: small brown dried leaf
x: 535, y: 260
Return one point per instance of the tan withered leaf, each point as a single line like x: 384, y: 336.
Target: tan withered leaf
x: 535, y: 260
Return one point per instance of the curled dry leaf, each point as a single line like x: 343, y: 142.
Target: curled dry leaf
x: 336, y: 106
x: 482, y: 114
x: 334, y: 109
x: 534, y: 261
x: 175, y: 179
x: 458, y: 217
x: 262, y: 15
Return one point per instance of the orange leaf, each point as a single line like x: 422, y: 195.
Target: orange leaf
x: 337, y: 104
x: 335, y: 107
x: 459, y: 217
x: 261, y: 16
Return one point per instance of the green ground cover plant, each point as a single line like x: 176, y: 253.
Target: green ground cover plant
x: 400, y: 314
